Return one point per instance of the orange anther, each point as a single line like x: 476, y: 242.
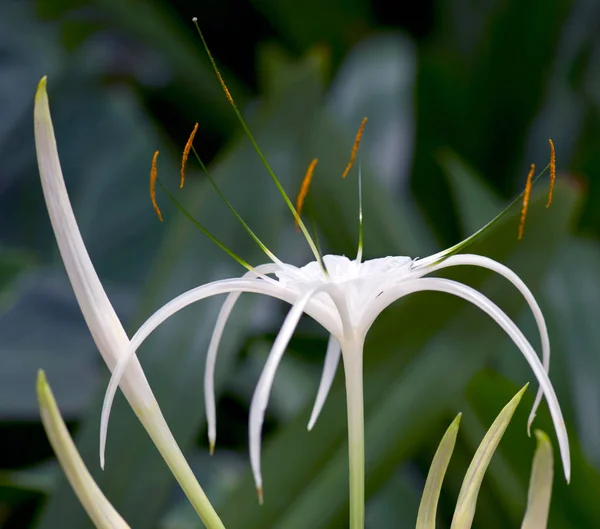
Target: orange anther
x: 355, y: 147
x: 186, y: 153
x: 552, y: 172
x: 526, y: 201
x: 304, y: 190
x: 153, y: 174
x: 259, y: 493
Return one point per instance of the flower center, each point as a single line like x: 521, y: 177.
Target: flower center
x: 361, y: 282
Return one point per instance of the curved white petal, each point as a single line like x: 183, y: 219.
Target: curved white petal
x: 490, y: 264
x: 98, y: 508
x: 260, y: 397
x: 104, y: 325
x: 332, y: 361
x: 211, y: 356
x: 210, y: 289
x: 487, y: 306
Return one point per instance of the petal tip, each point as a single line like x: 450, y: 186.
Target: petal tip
x: 41, y: 89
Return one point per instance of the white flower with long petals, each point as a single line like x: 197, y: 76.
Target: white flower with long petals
x: 345, y: 296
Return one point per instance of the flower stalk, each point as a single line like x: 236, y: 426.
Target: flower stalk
x: 352, y: 352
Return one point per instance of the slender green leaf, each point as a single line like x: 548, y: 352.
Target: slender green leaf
x: 431, y: 494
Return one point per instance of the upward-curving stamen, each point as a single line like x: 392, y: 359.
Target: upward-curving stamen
x: 552, y: 172
x: 526, y: 196
x: 153, y: 174
x: 359, y: 135
x: 255, y: 238
x: 186, y: 153
x: 304, y: 190
x: 260, y: 154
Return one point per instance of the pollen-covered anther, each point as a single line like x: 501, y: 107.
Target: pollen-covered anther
x: 153, y: 174
x: 359, y: 135
x: 526, y: 196
x: 304, y: 190
x: 552, y: 172
x: 186, y: 153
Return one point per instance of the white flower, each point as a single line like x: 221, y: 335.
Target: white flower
x: 346, y: 299
x: 345, y: 296
x: 104, y: 325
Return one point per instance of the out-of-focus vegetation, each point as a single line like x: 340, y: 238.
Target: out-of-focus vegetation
x: 461, y: 97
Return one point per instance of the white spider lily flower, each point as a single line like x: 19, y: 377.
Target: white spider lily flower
x: 98, y: 508
x: 346, y: 300
x: 345, y: 296
x: 105, y: 327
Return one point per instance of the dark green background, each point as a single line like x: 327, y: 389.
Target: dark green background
x: 461, y: 97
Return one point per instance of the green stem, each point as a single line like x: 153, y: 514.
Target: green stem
x: 353, y: 370
x: 161, y: 435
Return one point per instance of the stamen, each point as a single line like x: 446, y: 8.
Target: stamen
x: 186, y: 153
x: 526, y: 201
x: 153, y: 174
x: 552, y: 172
x: 262, y: 157
x: 304, y: 191
x: 359, y: 134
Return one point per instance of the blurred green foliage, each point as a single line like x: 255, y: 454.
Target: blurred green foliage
x: 461, y: 97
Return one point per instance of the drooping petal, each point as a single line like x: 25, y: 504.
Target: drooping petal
x: 490, y: 264
x: 467, y: 498
x: 487, y: 306
x: 98, y: 508
x: 211, y: 356
x: 104, y: 325
x: 431, y: 493
x: 332, y: 361
x: 262, y: 391
x: 540, y: 484
x: 225, y: 286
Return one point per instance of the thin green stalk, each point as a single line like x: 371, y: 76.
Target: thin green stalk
x: 353, y: 370
x: 157, y: 428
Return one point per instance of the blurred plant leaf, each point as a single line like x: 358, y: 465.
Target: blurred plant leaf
x: 509, y: 45
x: 572, y: 505
x: 475, y: 202
x: 572, y: 292
x: 336, y: 24
x: 467, y: 498
x: 540, y: 484
x: 156, y: 24
x: 431, y: 493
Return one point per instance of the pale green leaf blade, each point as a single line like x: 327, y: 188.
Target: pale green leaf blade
x: 467, y: 498
x: 99, y: 509
x: 435, y: 478
x: 540, y: 484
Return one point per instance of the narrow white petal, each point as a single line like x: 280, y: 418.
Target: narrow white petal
x: 210, y: 289
x: 211, y: 356
x: 487, y: 306
x: 332, y: 361
x: 104, y: 325
x: 490, y: 264
x: 98, y: 508
x: 262, y: 391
